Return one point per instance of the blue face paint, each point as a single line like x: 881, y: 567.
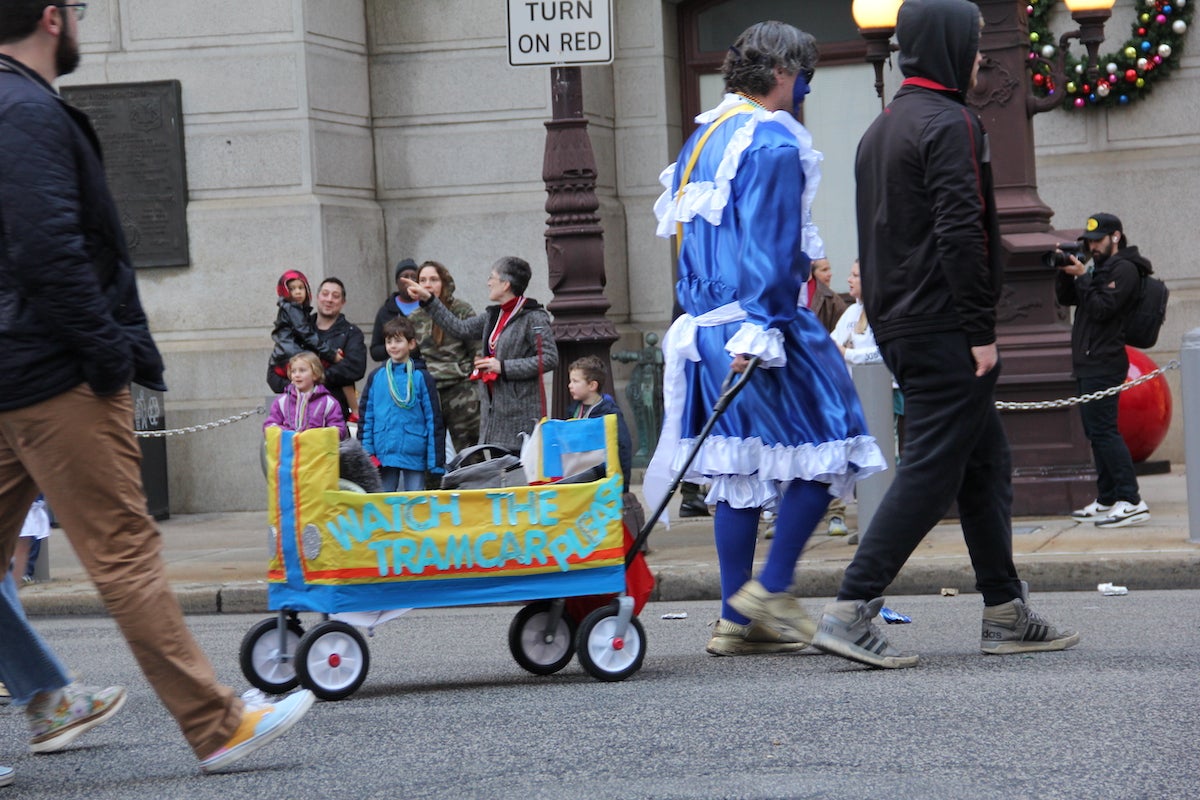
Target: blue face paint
x: 800, y: 89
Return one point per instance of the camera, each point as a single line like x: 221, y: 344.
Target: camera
x: 1058, y: 257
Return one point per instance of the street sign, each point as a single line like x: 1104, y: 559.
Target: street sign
x: 559, y: 32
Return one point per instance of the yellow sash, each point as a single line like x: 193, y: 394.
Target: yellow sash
x: 687, y: 171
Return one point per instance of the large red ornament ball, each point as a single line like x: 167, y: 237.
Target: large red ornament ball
x: 1143, y: 412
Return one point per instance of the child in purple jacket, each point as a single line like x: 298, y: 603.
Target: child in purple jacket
x: 305, y: 403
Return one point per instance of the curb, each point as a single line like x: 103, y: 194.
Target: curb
x: 1073, y: 573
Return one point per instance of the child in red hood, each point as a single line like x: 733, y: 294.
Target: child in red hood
x: 294, y: 331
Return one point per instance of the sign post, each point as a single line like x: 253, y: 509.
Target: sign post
x: 564, y: 34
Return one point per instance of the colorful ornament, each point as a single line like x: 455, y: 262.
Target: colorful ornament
x: 1153, y: 50
x: 1143, y: 412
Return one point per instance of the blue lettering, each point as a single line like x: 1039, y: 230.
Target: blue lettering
x: 535, y: 548
x: 458, y: 551
x: 547, y: 507
x: 562, y: 546
x: 480, y: 558
x: 498, y: 505
x: 344, y: 527
x: 529, y: 507
x: 438, y: 507
x: 404, y: 557
x: 411, y: 520
x: 397, y: 504
x: 373, y: 519
x: 430, y: 555
x: 510, y: 549
x: 380, y: 549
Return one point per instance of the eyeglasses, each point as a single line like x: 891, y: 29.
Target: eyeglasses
x: 80, y: 9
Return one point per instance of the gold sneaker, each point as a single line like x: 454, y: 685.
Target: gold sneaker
x: 778, y: 610
x: 732, y: 639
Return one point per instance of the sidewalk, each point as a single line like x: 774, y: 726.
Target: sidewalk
x: 217, y: 562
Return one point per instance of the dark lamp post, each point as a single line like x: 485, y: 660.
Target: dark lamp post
x: 876, y: 21
x: 1091, y: 16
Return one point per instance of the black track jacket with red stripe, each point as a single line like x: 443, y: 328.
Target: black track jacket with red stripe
x: 928, y: 235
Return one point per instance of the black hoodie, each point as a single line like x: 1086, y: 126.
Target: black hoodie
x: 928, y: 235
x: 1104, y: 297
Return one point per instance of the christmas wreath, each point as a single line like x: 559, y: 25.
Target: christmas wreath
x: 1148, y: 55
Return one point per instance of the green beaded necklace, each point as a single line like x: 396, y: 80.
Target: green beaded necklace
x: 407, y: 400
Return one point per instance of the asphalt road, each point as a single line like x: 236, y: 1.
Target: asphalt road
x: 446, y: 713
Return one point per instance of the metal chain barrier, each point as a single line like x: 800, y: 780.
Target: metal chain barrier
x: 1042, y: 405
x: 1087, y: 398
x: 207, y: 426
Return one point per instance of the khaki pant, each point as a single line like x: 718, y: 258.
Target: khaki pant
x: 79, y: 449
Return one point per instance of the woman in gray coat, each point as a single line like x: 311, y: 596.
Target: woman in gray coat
x: 517, y: 348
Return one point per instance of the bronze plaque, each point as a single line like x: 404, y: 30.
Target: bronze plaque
x: 140, y: 126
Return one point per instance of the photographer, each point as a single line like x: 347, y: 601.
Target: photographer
x: 1103, y: 295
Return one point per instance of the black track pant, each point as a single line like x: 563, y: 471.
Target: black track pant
x: 955, y: 449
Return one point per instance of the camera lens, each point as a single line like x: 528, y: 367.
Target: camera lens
x: 1055, y: 259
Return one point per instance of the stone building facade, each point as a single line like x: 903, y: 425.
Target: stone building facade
x: 340, y: 136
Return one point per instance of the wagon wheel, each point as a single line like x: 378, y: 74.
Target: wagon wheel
x: 539, y: 644
x: 606, y: 656
x: 332, y: 660
x: 261, y: 656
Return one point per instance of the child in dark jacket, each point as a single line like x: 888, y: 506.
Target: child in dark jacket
x: 401, y: 420
x: 294, y: 331
x: 586, y: 376
x: 305, y: 403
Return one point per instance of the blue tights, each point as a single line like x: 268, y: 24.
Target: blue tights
x: 736, y: 530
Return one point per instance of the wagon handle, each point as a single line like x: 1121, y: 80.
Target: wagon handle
x: 729, y: 390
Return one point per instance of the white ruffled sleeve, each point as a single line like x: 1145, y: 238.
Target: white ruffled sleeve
x: 754, y: 340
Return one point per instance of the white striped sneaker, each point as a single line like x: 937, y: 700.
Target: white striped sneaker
x: 846, y: 630
x: 1013, y: 627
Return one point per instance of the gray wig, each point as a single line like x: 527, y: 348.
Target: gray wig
x: 750, y: 63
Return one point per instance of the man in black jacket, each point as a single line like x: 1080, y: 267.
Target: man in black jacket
x: 1104, y: 296
x: 931, y: 273
x: 335, y: 330
x: 72, y: 337
x: 396, y: 304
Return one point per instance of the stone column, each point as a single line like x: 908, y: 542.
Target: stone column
x: 1052, y: 470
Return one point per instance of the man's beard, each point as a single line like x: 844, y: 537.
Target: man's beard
x: 66, y: 55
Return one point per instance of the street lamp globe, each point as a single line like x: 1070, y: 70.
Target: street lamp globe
x: 881, y: 14
x: 1088, y: 5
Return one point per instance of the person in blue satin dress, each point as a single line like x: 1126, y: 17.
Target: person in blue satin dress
x: 740, y: 210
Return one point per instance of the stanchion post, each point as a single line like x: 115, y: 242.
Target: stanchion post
x: 874, y: 385
x: 1189, y: 356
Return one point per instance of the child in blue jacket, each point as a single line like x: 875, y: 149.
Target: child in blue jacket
x: 401, y: 416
